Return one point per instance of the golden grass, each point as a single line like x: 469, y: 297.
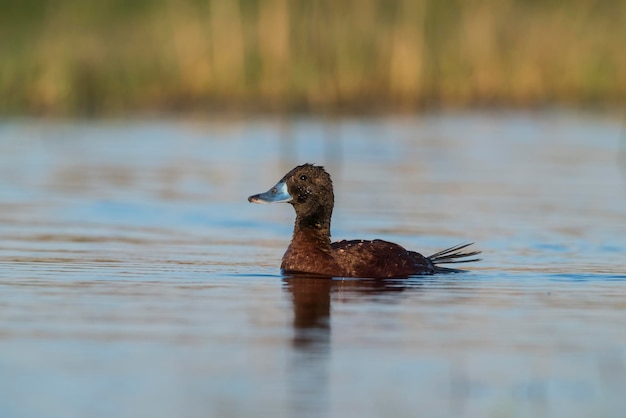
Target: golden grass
x: 76, y: 57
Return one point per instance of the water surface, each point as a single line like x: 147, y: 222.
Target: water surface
x: 136, y: 280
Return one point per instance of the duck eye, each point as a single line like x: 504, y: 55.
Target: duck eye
x: 303, y: 177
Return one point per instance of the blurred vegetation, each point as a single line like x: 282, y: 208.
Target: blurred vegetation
x: 83, y: 57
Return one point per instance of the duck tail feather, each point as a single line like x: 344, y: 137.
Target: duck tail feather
x: 452, y: 255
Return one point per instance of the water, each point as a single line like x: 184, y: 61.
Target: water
x: 136, y: 280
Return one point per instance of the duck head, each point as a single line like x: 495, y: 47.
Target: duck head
x: 308, y: 188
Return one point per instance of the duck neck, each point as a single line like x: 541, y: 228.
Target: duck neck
x: 313, y: 228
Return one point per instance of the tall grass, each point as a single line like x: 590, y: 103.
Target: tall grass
x: 73, y: 56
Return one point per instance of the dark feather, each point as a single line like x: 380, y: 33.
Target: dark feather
x: 452, y: 255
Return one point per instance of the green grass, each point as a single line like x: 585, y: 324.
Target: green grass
x: 76, y: 57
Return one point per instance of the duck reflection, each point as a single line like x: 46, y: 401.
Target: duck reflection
x: 311, y: 308
x: 312, y: 298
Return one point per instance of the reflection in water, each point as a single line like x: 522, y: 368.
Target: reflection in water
x: 312, y: 304
x: 309, y: 366
x: 309, y: 369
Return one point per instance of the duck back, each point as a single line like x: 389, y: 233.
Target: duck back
x: 378, y: 259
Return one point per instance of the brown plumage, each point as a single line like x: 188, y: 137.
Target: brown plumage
x: 309, y: 189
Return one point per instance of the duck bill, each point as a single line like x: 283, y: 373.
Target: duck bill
x: 276, y: 194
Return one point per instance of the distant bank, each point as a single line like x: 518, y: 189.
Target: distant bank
x: 76, y: 57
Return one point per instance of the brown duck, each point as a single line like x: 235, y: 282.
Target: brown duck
x: 309, y: 189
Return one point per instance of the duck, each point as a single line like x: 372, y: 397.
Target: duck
x: 309, y: 189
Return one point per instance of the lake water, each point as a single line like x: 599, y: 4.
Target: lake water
x: 137, y: 281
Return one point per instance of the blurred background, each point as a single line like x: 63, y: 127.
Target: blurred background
x: 73, y: 57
